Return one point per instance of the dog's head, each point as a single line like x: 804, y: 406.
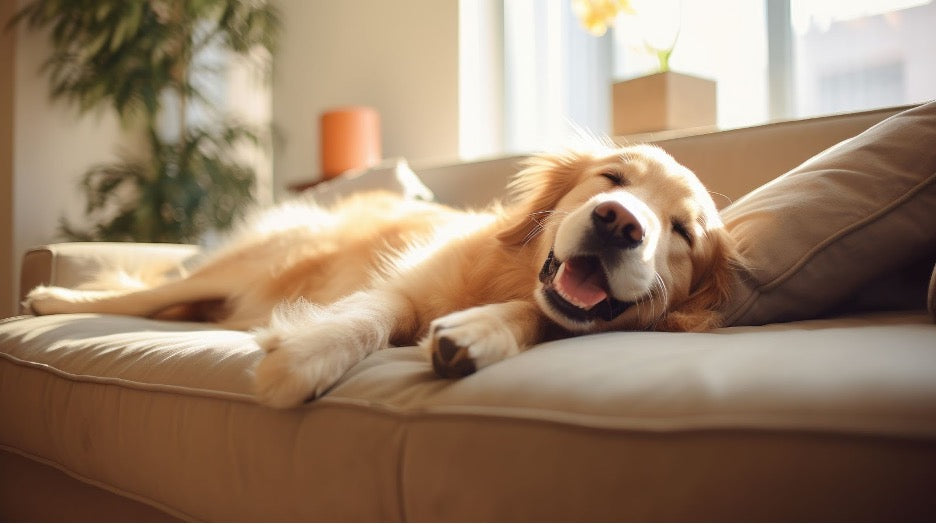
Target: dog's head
x: 627, y: 238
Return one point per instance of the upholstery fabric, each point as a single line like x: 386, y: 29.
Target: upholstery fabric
x: 931, y: 296
x: 33, y: 491
x: 128, y: 404
x: 852, y: 214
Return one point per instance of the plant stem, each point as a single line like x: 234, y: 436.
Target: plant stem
x: 182, y: 79
x: 663, y: 56
x: 183, y: 110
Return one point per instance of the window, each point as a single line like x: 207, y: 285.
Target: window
x: 774, y: 59
x: 724, y: 40
x: 859, y: 55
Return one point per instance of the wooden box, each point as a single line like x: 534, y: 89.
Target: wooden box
x: 662, y: 101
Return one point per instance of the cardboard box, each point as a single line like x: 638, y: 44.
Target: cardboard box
x: 663, y: 101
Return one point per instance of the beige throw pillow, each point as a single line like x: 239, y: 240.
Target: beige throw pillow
x: 859, y: 211
x: 394, y: 175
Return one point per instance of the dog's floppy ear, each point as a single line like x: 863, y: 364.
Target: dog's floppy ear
x: 534, y: 192
x: 713, y: 278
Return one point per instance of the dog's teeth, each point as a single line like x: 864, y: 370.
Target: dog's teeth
x: 572, y: 300
x: 579, y: 284
x: 562, y: 268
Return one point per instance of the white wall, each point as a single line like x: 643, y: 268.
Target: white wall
x: 400, y: 57
x: 52, y: 147
x: 7, y: 255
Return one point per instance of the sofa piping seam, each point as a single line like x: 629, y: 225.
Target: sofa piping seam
x: 846, y: 231
x: 129, y: 384
x: 98, y: 484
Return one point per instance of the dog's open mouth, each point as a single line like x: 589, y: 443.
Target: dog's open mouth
x: 578, y: 289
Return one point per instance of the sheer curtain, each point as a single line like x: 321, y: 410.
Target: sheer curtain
x: 556, y: 76
x: 548, y: 78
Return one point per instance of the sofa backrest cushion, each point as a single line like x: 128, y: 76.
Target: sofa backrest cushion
x: 734, y: 162
x: 860, y: 211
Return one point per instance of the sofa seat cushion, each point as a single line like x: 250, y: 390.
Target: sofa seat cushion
x: 161, y: 412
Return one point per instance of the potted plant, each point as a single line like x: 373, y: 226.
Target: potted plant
x: 141, y: 57
x: 663, y: 99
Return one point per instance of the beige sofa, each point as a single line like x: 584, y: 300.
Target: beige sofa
x: 820, y: 419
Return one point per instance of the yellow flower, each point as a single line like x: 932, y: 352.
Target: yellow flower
x: 597, y: 15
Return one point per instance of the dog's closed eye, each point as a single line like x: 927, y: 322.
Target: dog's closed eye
x: 617, y: 178
x: 680, y: 229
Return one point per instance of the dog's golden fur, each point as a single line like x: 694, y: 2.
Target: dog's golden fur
x: 621, y: 239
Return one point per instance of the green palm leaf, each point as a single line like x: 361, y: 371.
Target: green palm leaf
x: 127, y: 54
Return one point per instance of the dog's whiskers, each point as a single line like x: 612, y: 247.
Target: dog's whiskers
x: 661, y: 285
x: 541, y: 218
x: 533, y: 234
x: 657, y: 290
x: 726, y: 197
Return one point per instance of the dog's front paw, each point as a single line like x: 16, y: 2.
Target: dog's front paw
x: 298, y: 367
x: 463, y: 342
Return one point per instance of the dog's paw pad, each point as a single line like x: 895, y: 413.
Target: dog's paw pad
x: 449, y: 360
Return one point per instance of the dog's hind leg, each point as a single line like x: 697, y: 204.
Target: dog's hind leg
x: 45, y: 300
x: 310, y: 347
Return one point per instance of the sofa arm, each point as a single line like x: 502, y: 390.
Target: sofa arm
x: 931, y: 295
x: 69, y: 264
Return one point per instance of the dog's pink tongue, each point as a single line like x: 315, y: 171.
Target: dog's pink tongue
x: 580, y: 283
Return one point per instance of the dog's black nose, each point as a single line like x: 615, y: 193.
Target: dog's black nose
x: 616, y: 225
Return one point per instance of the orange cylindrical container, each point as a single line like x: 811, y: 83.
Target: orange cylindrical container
x: 350, y: 138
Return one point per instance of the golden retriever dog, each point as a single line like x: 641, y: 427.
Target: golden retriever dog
x: 616, y: 239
